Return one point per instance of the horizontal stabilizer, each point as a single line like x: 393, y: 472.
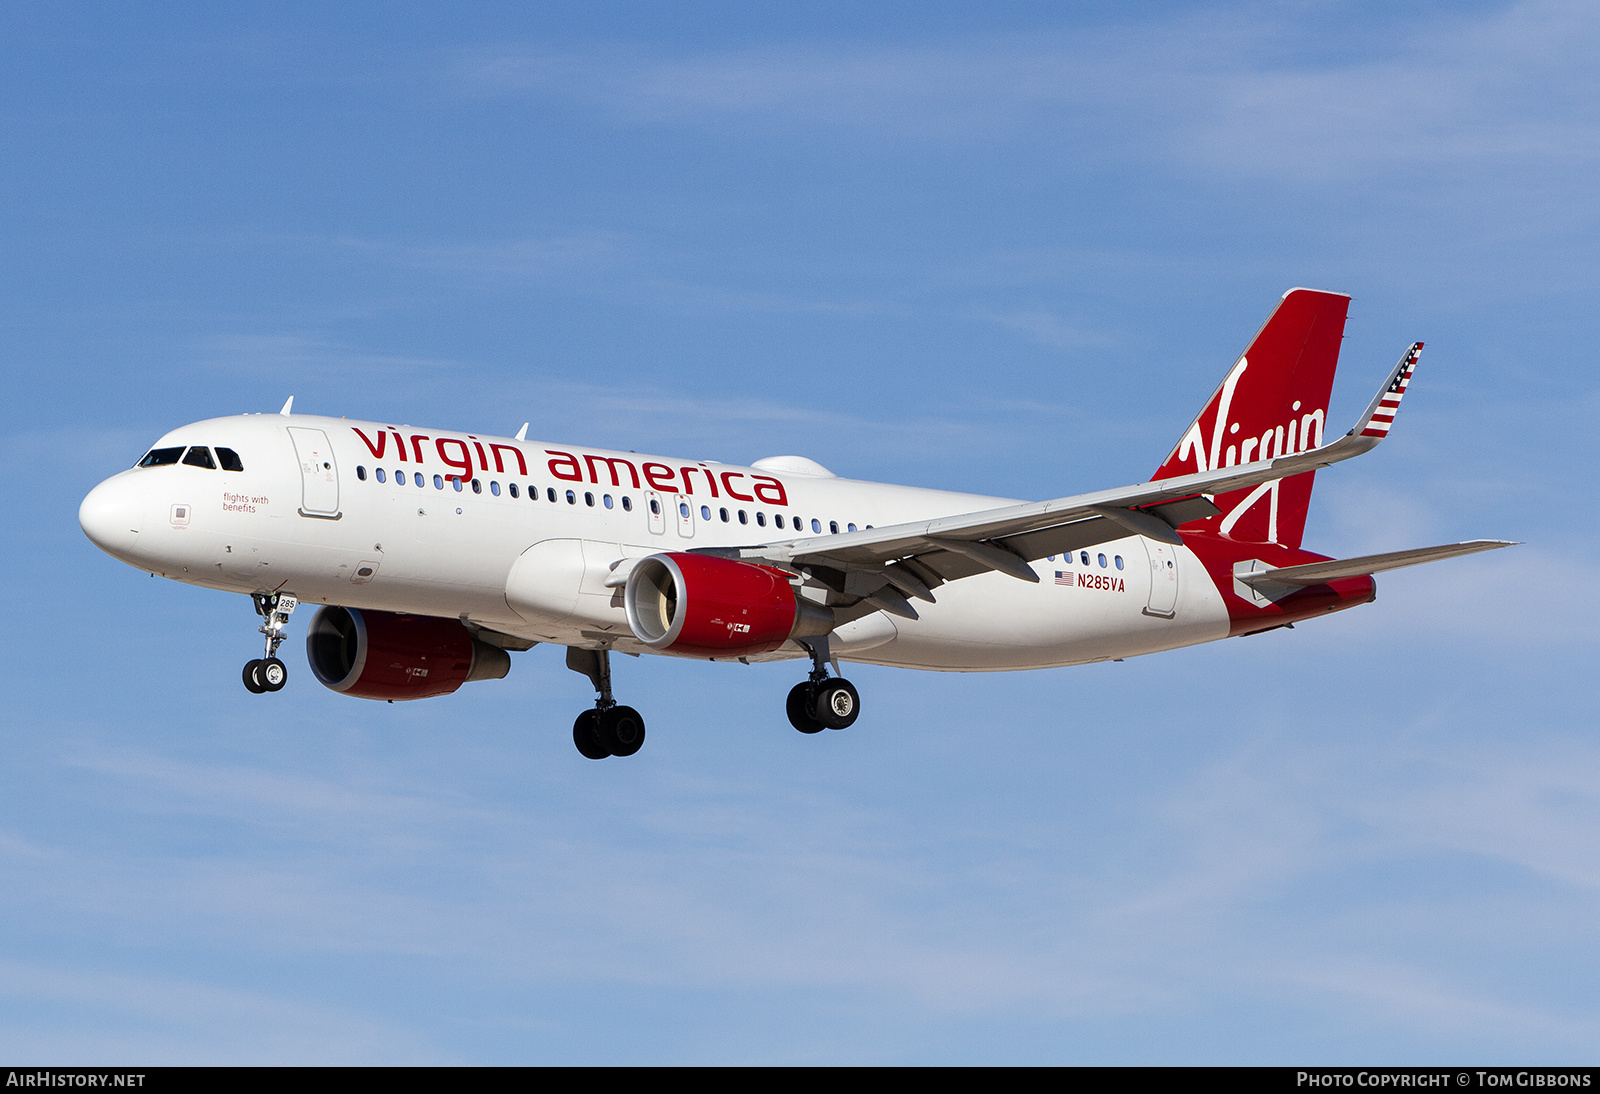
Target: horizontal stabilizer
x: 1315, y: 573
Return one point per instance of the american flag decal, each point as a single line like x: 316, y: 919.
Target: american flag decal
x: 1063, y: 577
x: 1389, y: 403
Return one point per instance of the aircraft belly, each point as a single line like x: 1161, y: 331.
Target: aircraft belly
x: 994, y: 623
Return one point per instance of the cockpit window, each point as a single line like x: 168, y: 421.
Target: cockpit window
x: 230, y: 461
x: 160, y: 457
x: 200, y: 456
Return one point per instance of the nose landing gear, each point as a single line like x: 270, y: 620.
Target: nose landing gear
x: 268, y: 673
x: 609, y: 729
x: 821, y: 702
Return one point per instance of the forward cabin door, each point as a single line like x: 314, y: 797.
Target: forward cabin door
x: 319, y: 474
x: 1163, y: 578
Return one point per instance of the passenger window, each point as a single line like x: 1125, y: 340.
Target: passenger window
x: 777, y: 519
x: 494, y: 488
x: 229, y: 459
x: 361, y: 473
x: 683, y: 510
x: 1084, y: 555
x: 417, y: 476
x: 511, y: 486
x: 655, y: 508
x: 607, y: 500
x: 705, y: 512
x: 744, y: 518
x: 200, y: 457
x: 850, y: 527
x: 572, y: 499
x: 1119, y: 562
x: 477, y: 487
x: 724, y: 514
x: 816, y: 526
x: 833, y: 527
x: 378, y: 474
x: 627, y: 504
x: 761, y: 520
x: 588, y: 499
x: 1102, y: 562
x: 550, y: 492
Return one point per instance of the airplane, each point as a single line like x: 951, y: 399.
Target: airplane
x: 432, y: 555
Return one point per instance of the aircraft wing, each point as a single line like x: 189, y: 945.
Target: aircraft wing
x: 885, y: 565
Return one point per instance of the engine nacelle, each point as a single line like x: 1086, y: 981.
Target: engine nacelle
x: 704, y: 606
x: 382, y: 655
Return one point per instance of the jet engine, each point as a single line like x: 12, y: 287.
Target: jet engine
x: 383, y: 655
x: 704, y: 606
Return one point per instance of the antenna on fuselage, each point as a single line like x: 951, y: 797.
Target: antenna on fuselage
x: 522, y: 434
x: 286, y: 406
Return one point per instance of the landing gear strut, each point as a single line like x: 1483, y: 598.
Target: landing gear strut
x: 608, y: 729
x: 822, y: 702
x: 268, y: 673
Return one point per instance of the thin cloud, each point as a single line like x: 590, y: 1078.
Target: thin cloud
x: 1048, y: 329
x: 305, y: 355
x: 182, y: 1021
x: 531, y: 257
x: 1225, y: 89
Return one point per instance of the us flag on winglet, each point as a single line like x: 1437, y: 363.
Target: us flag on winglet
x: 1389, y: 403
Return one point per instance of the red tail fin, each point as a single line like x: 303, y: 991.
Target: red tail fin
x: 1273, y: 402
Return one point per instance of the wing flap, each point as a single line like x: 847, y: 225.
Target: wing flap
x: 1064, y: 539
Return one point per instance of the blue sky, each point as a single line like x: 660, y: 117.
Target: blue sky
x: 1007, y: 249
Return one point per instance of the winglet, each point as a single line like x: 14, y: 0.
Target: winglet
x: 522, y: 434
x: 289, y: 403
x: 1380, y: 414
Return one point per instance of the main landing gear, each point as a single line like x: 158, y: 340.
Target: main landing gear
x: 821, y: 702
x: 608, y: 729
x: 268, y: 673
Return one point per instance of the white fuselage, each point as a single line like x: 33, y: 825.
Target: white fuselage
x: 308, y: 515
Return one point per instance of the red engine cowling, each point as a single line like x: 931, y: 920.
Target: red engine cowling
x: 382, y: 655
x: 704, y: 606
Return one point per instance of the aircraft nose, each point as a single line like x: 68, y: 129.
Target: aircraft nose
x: 110, y: 516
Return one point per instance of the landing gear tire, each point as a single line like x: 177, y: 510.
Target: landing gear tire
x: 801, y: 707
x: 252, y: 677
x: 837, y: 704
x: 273, y: 674
x: 583, y: 735
x: 621, y: 730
